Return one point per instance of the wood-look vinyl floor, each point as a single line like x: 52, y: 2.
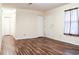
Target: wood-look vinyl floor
x: 45, y: 46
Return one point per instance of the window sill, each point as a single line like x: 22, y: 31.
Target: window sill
x: 77, y: 35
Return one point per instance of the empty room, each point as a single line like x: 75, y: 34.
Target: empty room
x: 39, y: 29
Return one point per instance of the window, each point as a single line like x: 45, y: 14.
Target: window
x: 71, y: 22
x: 8, y: 21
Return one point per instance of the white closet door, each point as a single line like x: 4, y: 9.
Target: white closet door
x: 40, y: 25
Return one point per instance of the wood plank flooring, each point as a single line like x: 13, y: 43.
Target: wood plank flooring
x: 45, y: 46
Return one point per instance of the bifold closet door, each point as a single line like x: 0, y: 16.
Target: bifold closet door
x: 40, y: 25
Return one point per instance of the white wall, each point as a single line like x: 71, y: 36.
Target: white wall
x: 28, y: 24
x: 54, y: 24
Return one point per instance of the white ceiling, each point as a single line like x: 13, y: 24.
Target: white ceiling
x: 34, y: 6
